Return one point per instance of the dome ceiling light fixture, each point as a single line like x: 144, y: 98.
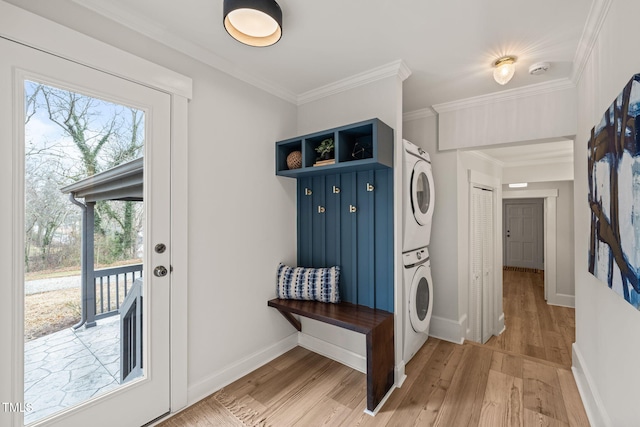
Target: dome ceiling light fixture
x: 504, y: 70
x: 253, y: 22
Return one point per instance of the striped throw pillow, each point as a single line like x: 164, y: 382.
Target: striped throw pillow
x: 311, y: 284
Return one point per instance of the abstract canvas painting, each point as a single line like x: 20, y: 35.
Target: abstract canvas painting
x: 614, y: 195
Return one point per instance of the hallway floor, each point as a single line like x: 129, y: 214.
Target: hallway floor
x: 533, y: 327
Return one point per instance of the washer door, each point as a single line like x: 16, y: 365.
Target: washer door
x: 422, y: 192
x: 420, y: 299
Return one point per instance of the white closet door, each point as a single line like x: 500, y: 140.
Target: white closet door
x: 487, y: 264
x: 475, y: 294
x: 481, y: 264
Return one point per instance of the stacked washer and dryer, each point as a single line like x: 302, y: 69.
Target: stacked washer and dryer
x: 418, y: 197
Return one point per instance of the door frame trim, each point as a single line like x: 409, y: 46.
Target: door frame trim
x: 550, y: 197
x: 539, y: 217
x: 17, y: 24
x: 481, y: 180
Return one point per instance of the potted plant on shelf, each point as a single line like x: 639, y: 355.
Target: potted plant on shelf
x: 325, y: 149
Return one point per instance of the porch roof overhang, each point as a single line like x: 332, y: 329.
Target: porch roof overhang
x: 123, y: 182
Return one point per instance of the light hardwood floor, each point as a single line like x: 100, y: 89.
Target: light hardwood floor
x: 534, y: 328
x: 447, y: 385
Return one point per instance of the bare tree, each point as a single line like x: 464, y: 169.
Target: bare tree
x: 94, y: 136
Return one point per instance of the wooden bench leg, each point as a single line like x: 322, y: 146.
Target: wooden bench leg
x: 380, y: 363
x: 296, y: 324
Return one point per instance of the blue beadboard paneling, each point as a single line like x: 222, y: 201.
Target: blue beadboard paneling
x: 318, y: 232
x: 332, y: 220
x: 365, y: 239
x: 348, y: 240
x: 305, y: 216
x: 360, y: 242
x: 384, y: 239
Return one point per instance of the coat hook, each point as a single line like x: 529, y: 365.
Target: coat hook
x: 370, y: 187
x: 336, y: 190
x: 352, y: 208
x: 307, y: 192
x: 320, y: 209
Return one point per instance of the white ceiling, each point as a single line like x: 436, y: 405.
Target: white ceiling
x: 449, y: 45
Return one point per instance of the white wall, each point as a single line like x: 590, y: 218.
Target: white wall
x: 376, y: 99
x: 241, y: 216
x: 443, y: 250
x: 565, y: 281
x: 514, y: 116
x: 538, y: 173
x: 242, y: 223
x: 607, y: 339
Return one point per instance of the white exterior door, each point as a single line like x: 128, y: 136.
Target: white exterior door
x: 147, y: 397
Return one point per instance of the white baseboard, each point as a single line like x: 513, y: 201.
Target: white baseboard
x: 339, y: 354
x: 501, y: 326
x: 562, y: 300
x: 400, y: 374
x: 448, y: 330
x: 237, y: 370
x: 591, y: 399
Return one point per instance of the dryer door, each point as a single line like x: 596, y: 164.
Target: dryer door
x: 422, y: 192
x: 420, y: 299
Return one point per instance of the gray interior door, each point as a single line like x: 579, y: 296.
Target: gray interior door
x: 523, y: 234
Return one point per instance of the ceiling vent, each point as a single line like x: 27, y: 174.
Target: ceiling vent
x: 538, y: 68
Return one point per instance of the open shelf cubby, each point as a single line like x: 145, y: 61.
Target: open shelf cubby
x: 312, y: 142
x: 358, y: 146
x: 356, y: 143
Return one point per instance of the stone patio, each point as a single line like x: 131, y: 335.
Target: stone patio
x: 68, y: 367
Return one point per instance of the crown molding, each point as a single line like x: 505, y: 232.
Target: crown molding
x: 418, y: 114
x: 595, y: 20
x: 396, y: 68
x: 506, y: 95
x: 165, y: 37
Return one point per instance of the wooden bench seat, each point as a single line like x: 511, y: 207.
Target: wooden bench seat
x: 377, y: 325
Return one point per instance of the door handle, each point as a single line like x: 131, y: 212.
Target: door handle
x: 160, y: 271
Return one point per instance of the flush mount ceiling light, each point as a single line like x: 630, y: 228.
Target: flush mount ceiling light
x: 253, y: 22
x: 518, y: 185
x: 504, y: 70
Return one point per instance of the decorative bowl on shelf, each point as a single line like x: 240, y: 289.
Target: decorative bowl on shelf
x: 294, y: 160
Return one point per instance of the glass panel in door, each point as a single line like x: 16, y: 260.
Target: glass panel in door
x: 84, y: 230
x: 89, y: 154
